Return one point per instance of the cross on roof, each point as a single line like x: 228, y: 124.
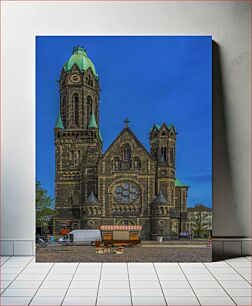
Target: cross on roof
x: 126, y: 121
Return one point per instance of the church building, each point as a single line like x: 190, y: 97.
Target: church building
x: 125, y: 185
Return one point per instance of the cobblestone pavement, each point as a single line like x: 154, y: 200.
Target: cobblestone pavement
x: 131, y: 254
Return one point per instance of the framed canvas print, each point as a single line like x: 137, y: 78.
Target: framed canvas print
x: 123, y: 148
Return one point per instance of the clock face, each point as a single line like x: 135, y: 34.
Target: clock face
x: 75, y: 78
x: 126, y: 193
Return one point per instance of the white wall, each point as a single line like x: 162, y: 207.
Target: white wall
x: 227, y: 22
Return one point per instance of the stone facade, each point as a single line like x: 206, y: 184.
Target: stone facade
x: 124, y: 185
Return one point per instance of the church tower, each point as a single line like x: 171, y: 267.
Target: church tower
x: 78, y: 142
x: 162, y: 149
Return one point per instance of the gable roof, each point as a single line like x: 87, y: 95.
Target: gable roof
x: 127, y: 129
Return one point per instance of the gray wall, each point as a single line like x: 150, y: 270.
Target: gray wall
x: 227, y: 22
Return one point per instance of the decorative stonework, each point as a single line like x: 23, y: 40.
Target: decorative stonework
x: 125, y: 180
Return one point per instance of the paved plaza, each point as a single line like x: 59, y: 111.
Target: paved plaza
x: 144, y: 253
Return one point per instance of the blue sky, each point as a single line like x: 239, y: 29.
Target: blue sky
x: 150, y: 79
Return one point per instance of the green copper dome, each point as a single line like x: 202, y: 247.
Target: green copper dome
x: 59, y: 123
x: 178, y: 183
x: 80, y: 58
x: 92, y: 122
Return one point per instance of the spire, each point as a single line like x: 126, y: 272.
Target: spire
x: 92, y: 199
x: 100, y: 136
x: 160, y: 199
x: 92, y: 122
x: 59, y: 123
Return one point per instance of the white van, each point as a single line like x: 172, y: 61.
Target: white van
x: 84, y: 236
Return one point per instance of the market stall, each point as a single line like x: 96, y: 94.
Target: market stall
x: 120, y: 234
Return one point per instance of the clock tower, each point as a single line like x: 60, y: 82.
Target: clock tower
x: 78, y: 141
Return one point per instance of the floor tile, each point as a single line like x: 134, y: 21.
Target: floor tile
x: 15, y: 300
x: 243, y: 270
x: 55, y: 284
x: 19, y: 292
x: 114, y: 284
x: 114, y: 292
x: 241, y: 264
x: 51, y: 292
x: 189, y: 300
x: 220, y: 300
x: 40, y: 265
x: 200, y: 276
x: 217, y: 264
x: 8, y: 276
x: 86, y: 277
x: 144, y: 284
x: 148, y: 270
x: 146, y: 292
x: 9, y: 270
x: 248, y: 277
x: 82, y: 292
x: 36, y: 270
x: 21, y: 258
x: 228, y: 276
x: 178, y: 292
x: 5, y: 283
x: 111, y: 300
x: 172, y: 276
x: 30, y: 276
x: 25, y: 284
x: 195, y: 270
x: 154, y: 300
x: 47, y: 300
x: 58, y: 277
x: 235, y: 284
x: 166, y: 264
x: 14, y: 264
x: 138, y: 276
x: 204, y: 284
x: 219, y: 270
x: 62, y: 271
x: 86, y: 284
x: 4, y: 259
x: 168, y: 270
x: 174, y: 284
x: 79, y: 301
x: 237, y: 259
x: 89, y: 270
x: 239, y: 291
x: 243, y: 300
x: 209, y: 292
x: 192, y: 264
x: 113, y: 277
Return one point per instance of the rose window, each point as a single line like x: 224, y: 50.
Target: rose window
x: 126, y: 193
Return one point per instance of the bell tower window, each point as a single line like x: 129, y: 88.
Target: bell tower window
x: 89, y: 108
x: 126, y: 152
x: 64, y: 110
x: 76, y: 109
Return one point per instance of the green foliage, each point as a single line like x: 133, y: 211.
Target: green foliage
x: 44, y: 206
x: 199, y: 220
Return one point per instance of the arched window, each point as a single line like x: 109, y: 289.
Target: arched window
x: 76, y: 108
x: 126, y: 152
x: 163, y: 154
x: 89, y: 108
x: 116, y: 163
x: 137, y: 163
x: 171, y: 155
x: 64, y: 110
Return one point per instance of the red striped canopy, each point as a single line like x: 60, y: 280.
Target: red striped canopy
x: 121, y: 227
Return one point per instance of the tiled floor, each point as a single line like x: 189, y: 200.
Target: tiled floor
x: 24, y: 282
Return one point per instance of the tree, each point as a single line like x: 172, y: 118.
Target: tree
x: 200, y: 223
x: 44, y: 206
